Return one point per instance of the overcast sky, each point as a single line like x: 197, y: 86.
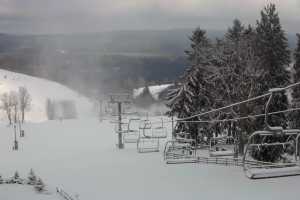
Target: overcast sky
x: 73, y: 16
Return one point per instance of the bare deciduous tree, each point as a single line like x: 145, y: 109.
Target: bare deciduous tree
x: 13, y: 102
x: 24, y: 101
x: 6, y: 106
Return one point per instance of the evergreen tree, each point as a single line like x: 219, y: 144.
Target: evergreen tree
x: 189, y: 97
x: 235, y: 32
x: 296, y: 91
x: 16, y: 176
x: 272, y: 48
x: 237, y: 80
x: 199, y: 47
x: 39, y: 186
x: 1, y: 180
x: 32, y: 179
x: 295, y: 116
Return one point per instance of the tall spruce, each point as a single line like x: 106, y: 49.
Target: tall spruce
x: 200, y: 44
x: 295, y: 116
x: 235, y: 32
x: 189, y: 98
x: 272, y: 48
x: 296, y: 90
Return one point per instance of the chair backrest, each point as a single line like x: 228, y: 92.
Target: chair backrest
x: 275, y: 129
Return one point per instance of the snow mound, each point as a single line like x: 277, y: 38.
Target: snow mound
x: 17, y: 192
x: 40, y: 90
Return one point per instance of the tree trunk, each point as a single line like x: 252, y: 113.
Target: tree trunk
x: 23, y: 116
x: 241, y: 144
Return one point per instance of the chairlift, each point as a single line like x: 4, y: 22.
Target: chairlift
x: 180, y: 149
x: 273, y: 138
x: 221, y: 146
x: 131, y: 135
x: 146, y: 142
x: 159, y: 131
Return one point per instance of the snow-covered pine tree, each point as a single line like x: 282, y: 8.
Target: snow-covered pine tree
x: 295, y: 116
x: 199, y: 47
x: 32, y: 179
x: 272, y: 48
x: 189, y: 97
x: 39, y: 186
x: 1, y: 180
x: 15, y: 179
x: 16, y: 175
x: 235, y: 32
x: 238, y: 78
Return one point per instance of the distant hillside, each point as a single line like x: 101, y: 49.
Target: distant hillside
x: 110, y: 60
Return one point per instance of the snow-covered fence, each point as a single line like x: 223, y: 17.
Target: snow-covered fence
x: 64, y: 194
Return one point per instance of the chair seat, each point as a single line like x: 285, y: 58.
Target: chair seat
x: 256, y: 173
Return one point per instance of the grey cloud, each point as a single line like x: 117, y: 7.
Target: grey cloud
x: 51, y: 16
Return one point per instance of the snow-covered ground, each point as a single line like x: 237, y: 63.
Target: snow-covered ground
x: 21, y: 192
x: 81, y: 157
x: 40, y: 90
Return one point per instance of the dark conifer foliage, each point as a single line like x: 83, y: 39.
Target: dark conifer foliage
x: 272, y: 49
x: 296, y: 91
x: 235, y: 32
x: 295, y: 116
x: 246, y: 63
x: 192, y: 94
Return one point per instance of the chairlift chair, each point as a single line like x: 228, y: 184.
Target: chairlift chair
x: 221, y: 146
x: 180, y: 149
x: 272, y: 169
x: 159, y: 131
x: 146, y: 143
x: 278, y: 137
x: 131, y: 135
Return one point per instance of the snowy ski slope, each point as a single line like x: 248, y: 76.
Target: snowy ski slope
x: 80, y: 156
x: 40, y: 90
